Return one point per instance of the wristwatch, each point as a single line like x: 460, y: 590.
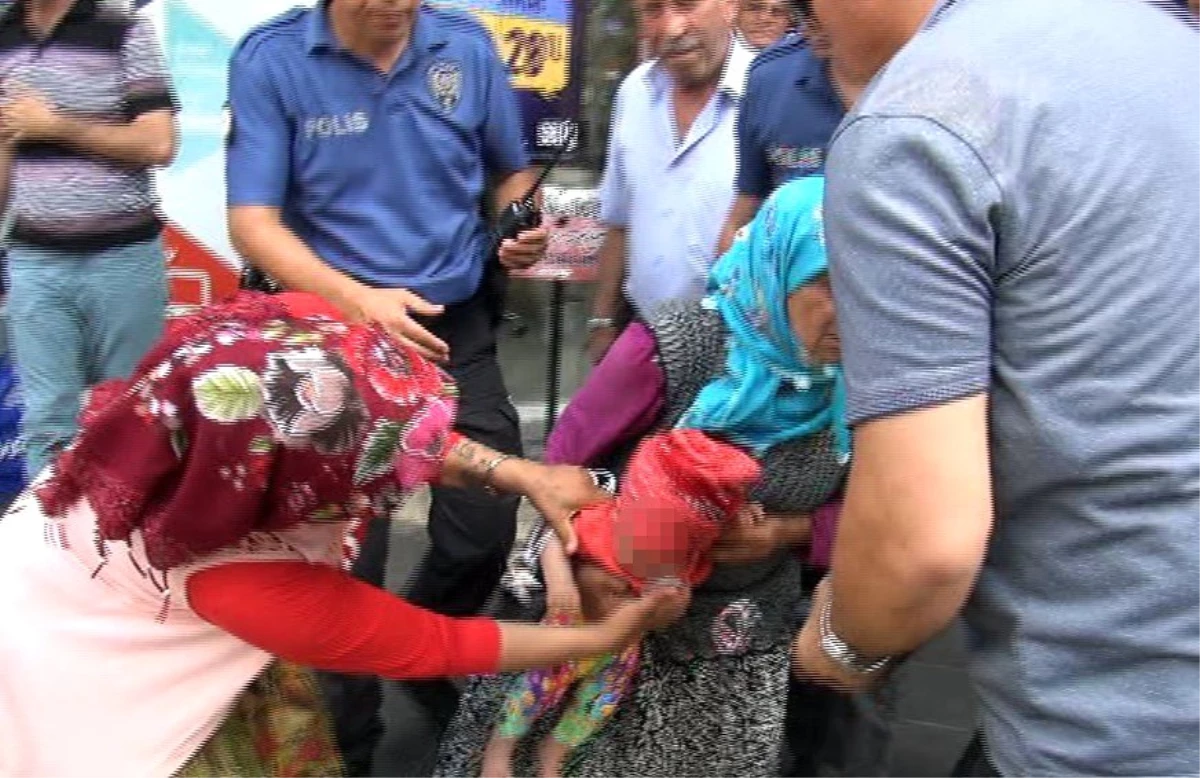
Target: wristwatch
x: 842, y: 653
x: 600, y: 323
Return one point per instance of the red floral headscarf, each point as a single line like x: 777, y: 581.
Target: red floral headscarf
x: 679, y: 492
x: 254, y: 415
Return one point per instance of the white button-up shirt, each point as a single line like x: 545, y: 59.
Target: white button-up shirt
x: 671, y: 195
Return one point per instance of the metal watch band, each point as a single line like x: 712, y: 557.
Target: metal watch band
x: 840, y: 652
x: 600, y: 323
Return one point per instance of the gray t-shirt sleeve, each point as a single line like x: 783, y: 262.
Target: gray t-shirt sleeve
x: 909, y: 215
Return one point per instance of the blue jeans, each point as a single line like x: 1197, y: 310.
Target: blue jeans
x: 77, y: 319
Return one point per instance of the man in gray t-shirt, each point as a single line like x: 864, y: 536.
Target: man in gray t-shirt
x: 1013, y: 212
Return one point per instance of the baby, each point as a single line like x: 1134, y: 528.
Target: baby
x: 599, y: 683
x: 680, y: 488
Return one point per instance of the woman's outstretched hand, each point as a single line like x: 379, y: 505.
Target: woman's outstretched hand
x: 523, y: 646
x: 658, y: 607
x: 558, y: 492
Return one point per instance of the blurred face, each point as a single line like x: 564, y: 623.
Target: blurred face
x: 378, y: 22
x: 762, y: 22
x: 689, y: 37
x: 810, y: 309
x: 599, y: 592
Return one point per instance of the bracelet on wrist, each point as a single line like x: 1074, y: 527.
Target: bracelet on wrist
x: 597, y: 323
x: 840, y: 652
x: 489, y: 472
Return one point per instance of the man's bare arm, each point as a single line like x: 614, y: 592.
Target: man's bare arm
x: 744, y: 209
x: 260, y: 236
x: 609, y: 301
x: 151, y: 139
x: 914, y: 528
x: 7, y: 153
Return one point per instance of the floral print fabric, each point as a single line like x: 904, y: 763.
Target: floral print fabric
x: 278, y: 727
x: 249, y: 418
x: 599, y: 683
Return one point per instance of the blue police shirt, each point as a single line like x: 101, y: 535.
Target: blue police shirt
x: 382, y: 175
x: 789, y: 114
x: 456, y: 19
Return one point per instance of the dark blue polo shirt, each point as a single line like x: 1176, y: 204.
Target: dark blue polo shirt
x: 788, y: 116
x: 382, y: 175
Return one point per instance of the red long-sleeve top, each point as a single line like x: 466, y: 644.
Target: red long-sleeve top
x: 320, y: 617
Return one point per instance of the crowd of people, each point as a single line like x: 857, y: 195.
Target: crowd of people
x: 897, y: 321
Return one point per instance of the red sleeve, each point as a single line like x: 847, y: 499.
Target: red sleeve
x: 321, y: 617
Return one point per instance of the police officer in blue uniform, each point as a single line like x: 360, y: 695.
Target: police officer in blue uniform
x: 364, y: 135
x: 790, y: 111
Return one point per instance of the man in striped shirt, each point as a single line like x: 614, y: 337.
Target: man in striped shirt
x: 86, y: 112
x: 1186, y: 11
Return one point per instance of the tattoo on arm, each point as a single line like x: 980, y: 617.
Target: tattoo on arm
x: 471, y: 459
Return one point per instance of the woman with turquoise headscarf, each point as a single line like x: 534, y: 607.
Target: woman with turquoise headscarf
x: 746, y: 391
x: 780, y: 382
x: 772, y: 388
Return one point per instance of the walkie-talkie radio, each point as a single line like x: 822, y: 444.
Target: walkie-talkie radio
x: 523, y: 214
x: 255, y: 280
x: 517, y: 217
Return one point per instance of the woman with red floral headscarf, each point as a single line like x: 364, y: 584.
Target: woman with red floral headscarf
x: 163, y: 582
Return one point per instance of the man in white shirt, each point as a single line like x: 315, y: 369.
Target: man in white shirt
x: 668, y: 181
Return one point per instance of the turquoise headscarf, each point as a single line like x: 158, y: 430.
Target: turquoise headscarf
x: 768, y: 392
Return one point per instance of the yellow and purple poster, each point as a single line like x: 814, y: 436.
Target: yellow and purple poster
x: 540, y: 40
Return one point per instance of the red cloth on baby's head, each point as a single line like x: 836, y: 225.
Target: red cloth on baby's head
x: 680, y: 489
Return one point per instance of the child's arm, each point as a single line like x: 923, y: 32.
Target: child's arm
x: 562, y: 595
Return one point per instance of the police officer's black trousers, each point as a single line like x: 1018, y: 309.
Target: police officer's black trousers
x: 974, y: 762
x: 471, y: 533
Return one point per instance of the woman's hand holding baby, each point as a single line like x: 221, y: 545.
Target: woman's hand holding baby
x: 754, y: 535
x: 658, y: 607
x: 558, y: 492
